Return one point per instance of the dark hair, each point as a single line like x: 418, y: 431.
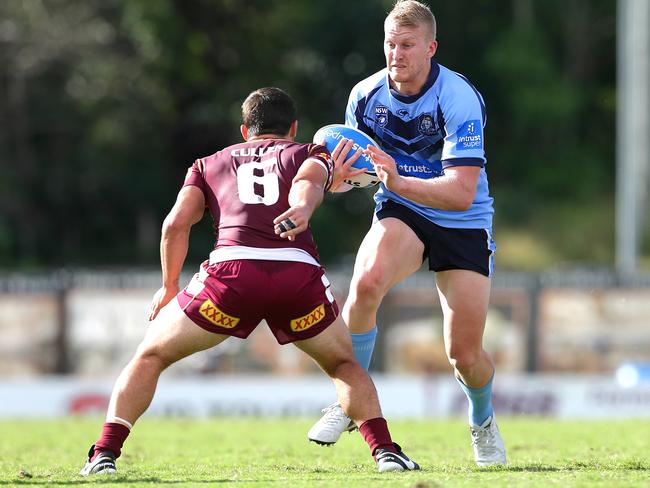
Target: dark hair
x: 268, y: 110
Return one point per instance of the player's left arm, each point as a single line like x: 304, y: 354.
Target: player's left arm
x: 306, y: 194
x: 174, y: 242
x: 454, y: 190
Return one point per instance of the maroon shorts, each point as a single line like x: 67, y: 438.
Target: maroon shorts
x: 233, y: 297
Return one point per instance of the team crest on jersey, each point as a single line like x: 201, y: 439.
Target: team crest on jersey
x: 426, y: 125
x: 215, y: 316
x: 381, y: 115
x: 312, y: 318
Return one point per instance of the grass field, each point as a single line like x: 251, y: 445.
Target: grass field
x: 256, y: 453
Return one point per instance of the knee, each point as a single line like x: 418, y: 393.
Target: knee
x: 463, y: 359
x: 342, y: 367
x: 151, y: 357
x: 368, y: 288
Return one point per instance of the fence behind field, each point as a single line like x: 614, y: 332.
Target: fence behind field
x: 88, y: 322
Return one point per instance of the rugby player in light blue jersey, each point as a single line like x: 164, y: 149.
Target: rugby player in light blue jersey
x: 433, y: 203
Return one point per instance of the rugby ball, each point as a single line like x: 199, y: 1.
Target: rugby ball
x: 330, y: 135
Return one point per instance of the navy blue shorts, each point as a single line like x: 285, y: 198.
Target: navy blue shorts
x: 446, y: 248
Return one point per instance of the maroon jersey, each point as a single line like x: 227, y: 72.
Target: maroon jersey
x: 247, y: 185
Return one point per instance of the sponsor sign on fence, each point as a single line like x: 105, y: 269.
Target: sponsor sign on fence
x: 401, y: 397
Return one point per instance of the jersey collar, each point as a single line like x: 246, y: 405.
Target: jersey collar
x: 433, y: 76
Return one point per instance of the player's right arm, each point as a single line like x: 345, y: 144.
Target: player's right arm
x: 174, y: 242
x: 306, y: 194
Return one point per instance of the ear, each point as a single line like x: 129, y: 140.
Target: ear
x: 244, y: 131
x: 293, y: 129
x: 433, y: 47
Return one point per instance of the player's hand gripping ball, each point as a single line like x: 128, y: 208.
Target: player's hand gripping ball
x: 333, y: 133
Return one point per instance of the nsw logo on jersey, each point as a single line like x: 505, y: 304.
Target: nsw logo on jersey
x: 381, y: 115
x: 307, y: 321
x: 469, y: 135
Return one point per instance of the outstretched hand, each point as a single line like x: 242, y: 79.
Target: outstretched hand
x: 343, y: 168
x: 162, y: 297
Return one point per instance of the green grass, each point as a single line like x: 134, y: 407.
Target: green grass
x: 257, y: 453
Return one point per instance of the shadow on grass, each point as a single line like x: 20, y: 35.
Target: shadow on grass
x: 631, y: 465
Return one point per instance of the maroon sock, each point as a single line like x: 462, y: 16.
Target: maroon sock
x: 375, y: 432
x: 112, y: 439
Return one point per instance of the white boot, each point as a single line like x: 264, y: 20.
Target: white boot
x: 487, y: 443
x: 330, y: 426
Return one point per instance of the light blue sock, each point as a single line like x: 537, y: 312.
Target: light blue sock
x: 480, y: 401
x: 363, y: 344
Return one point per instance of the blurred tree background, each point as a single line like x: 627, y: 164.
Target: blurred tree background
x: 105, y: 103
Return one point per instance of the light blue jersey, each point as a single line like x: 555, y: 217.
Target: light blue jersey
x: 440, y: 127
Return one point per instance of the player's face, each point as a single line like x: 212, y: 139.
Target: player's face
x: 408, y: 52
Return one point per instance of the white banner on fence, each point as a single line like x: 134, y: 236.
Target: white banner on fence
x: 401, y: 397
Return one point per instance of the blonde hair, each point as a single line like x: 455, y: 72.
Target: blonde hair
x: 411, y: 13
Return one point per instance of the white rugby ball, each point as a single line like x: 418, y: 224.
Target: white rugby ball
x: 330, y: 135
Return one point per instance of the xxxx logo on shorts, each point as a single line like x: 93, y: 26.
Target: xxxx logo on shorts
x: 210, y: 311
x: 312, y: 318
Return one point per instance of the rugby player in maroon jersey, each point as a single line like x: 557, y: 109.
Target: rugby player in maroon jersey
x: 265, y: 266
